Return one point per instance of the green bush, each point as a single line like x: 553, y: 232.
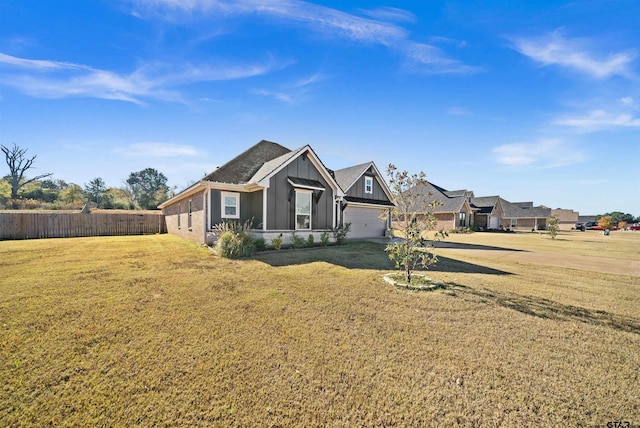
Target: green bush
x: 298, y: 241
x: 324, y: 239
x: 310, y: 240
x: 235, y: 244
x: 234, y: 239
x: 277, y: 242
x: 260, y: 244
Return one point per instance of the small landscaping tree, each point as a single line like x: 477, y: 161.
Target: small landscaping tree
x: 606, y: 222
x: 411, y: 217
x: 553, y: 225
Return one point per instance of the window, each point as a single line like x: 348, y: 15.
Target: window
x: 189, y: 214
x: 179, y: 215
x: 230, y: 205
x: 463, y: 218
x: 514, y: 223
x: 303, y: 209
x: 368, y: 185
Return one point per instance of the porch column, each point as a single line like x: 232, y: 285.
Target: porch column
x: 264, y: 209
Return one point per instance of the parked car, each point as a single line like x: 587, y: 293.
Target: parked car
x: 635, y: 226
x: 592, y: 225
x: 580, y: 226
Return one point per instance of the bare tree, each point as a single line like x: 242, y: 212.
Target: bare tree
x: 18, y: 165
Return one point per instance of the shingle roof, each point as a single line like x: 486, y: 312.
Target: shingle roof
x: 272, y: 164
x: 484, y: 204
x: 347, y: 176
x: 447, y: 205
x: 243, y: 167
x: 511, y: 210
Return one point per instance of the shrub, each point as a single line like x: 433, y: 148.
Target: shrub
x: 310, y: 240
x: 340, y: 232
x: 298, y: 241
x: 277, y: 242
x: 234, y: 239
x: 233, y: 245
x: 260, y: 244
x: 324, y: 239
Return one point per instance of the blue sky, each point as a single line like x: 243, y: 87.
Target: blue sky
x: 528, y: 100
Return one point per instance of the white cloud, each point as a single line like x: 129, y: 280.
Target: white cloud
x: 280, y: 96
x: 390, y: 14
x: 627, y: 101
x: 596, y: 120
x: 158, y: 150
x: 424, y: 58
x: 542, y: 154
x: 291, y: 91
x: 55, y: 79
x: 432, y: 60
x: 575, y: 54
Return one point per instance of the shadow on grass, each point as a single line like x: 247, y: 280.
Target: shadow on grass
x: 545, y: 308
x: 362, y: 255
x: 461, y: 246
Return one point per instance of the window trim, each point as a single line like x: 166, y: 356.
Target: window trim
x: 310, y: 194
x: 179, y: 215
x: 514, y: 223
x: 462, y: 218
x: 235, y: 195
x: 190, y: 213
x: 368, y: 182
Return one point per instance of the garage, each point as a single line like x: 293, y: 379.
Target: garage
x: 365, y: 222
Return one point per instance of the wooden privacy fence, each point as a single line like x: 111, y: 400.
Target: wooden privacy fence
x: 33, y: 225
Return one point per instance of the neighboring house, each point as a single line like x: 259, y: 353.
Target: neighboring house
x: 367, y: 198
x: 488, y: 212
x: 460, y: 209
x: 567, y: 219
x: 453, y: 210
x: 587, y: 218
x: 524, y: 216
x: 281, y: 191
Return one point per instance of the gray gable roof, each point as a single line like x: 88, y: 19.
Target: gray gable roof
x: 243, y: 167
x: 448, y: 204
x: 347, y: 176
x: 484, y: 204
x: 271, y: 165
x: 511, y: 210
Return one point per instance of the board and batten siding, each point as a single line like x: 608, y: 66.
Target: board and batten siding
x: 281, y: 199
x: 250, y: 207
x: 357, y: 190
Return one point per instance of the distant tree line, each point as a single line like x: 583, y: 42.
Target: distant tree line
x: 144, y: 189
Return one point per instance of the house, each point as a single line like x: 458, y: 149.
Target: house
x: 367, y: 198
x: 453, y: 210
x: 567, y: 219
x: 460, y: 209
x: 282, y: 192
x: 488, y: 212
x: 524, y: 216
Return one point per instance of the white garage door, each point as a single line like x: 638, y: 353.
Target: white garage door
x: 365, y: 222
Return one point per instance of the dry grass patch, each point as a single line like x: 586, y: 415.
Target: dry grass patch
x: 153, y: 330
